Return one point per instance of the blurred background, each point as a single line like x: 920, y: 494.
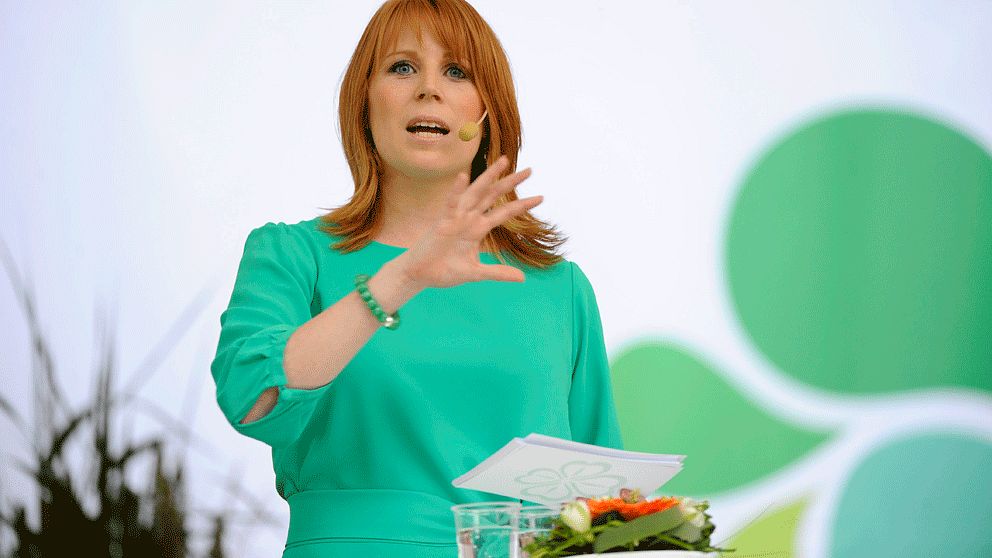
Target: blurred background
x: 784, y: 210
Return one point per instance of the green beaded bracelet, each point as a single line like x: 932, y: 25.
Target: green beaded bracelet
x: 391, y: 322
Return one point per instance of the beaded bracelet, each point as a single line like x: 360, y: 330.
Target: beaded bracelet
x: 391, y: 322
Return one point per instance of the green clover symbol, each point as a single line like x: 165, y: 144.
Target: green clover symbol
x: 575, y: 478
x: 859, y: 263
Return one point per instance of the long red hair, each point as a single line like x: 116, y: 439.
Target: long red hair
x: 460, y: 29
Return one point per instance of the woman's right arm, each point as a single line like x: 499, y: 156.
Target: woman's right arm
x: 321, y: 348
x: 274, y: 358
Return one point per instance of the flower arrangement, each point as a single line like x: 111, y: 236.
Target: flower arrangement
x: 627, y: 523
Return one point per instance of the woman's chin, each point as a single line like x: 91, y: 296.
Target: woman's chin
x: 430, y: 168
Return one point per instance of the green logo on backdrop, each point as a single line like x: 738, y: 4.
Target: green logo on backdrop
x: 859, y: 261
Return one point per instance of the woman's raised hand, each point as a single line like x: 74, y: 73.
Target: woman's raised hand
x: 447, y: 254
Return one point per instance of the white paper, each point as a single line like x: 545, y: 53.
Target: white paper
x: 549, y: 471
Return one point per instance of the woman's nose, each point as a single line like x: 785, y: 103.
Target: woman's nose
x: 428, y: 86
x: 429, y: 92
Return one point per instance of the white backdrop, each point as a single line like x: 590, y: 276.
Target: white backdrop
x: 140, y: 142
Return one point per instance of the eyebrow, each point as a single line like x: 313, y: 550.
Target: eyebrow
x: 412, y: 54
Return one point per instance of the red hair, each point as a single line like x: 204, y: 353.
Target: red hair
x: 462, y: 31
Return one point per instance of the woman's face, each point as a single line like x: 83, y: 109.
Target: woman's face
x: 417, y: 83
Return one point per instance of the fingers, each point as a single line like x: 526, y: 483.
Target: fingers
x: 495, y: 272
x: 483, y: 183
x: 501, y: 187
x: 501, y: 214
x: 457, y: 189
x: 478, y: 197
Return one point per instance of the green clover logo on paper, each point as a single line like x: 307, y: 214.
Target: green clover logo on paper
x: 575, y: 478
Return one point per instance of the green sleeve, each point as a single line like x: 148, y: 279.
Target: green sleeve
x: 592, y: 412
x: 272, y: 295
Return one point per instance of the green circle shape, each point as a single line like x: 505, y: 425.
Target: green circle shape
x: 918, y: 497
x: 859, y: 254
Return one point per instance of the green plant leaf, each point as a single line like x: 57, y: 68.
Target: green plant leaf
x: 8, y: 409
x: 639, y: 528
x: 59, y: 438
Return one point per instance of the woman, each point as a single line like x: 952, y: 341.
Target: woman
x: 500, y: 337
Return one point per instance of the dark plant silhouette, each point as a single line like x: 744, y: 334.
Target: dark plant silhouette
x: 91, y: 509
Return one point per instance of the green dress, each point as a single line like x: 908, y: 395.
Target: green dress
x: 366, y: 461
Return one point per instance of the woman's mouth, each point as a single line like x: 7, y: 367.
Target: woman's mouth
x: 428, y: 132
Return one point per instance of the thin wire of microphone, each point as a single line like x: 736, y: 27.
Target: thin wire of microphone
x: 471, y: 129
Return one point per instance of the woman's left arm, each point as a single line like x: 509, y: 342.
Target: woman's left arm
x: 591, y: 408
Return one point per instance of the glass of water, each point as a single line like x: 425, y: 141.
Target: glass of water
x: 535, y: 521
x: 487, y: 529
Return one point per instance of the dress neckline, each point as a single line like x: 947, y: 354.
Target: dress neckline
x: 404, y: 248
x: 390, y: 246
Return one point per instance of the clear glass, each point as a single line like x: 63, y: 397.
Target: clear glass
x: 487, y: 529
x: 534, y: 522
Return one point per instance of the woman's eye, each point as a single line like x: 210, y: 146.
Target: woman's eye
x: 404, y: 68
x: 395, y: 68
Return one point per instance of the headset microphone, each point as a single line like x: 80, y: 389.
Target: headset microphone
x: 471, y: 129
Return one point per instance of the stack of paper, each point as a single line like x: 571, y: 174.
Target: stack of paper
x: 549, y: 471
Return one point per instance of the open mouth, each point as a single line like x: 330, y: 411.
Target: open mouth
x: 427, y: 131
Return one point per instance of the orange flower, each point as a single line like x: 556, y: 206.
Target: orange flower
x: 630, y: 510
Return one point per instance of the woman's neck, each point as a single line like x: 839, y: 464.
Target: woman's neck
x: 410, y: 206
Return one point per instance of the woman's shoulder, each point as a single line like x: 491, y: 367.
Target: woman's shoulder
x: 299, y: 238
x: 572, y: 274
x: 307, y: 229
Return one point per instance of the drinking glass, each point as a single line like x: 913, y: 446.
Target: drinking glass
x: 487, y: 529
x: 534, y: 522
